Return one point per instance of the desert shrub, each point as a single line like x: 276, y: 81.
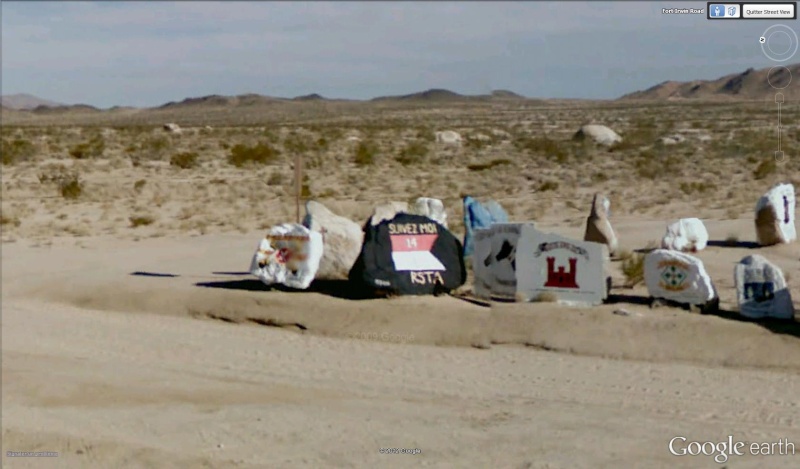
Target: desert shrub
x: 690, y: 188
x: 413, y: 153
x: 275, y: 179
x: 548, y: 186
x: 765, y: 168
x: 70, y: 186
x: 93, y: 148
x: 295, y: 143
x: 184, y: 160
x: 141, y: 220
x: 364, y: 154
x: 489, y: 165
x: 546, y: 297
x: 260, y: 153
x: 633, y: 270
x: 542, y: 146
x: 9, y: 220
x: 17, y: 150
x: 139, y: 185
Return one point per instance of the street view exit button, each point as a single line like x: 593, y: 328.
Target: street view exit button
x: 769, y: 10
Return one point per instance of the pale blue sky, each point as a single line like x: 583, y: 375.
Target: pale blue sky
x: 148, y: 53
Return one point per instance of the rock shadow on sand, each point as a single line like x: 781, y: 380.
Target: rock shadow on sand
x: 790, y: 327
x: 734, y: 244
x: 334, y: 288
x: 153, y: 274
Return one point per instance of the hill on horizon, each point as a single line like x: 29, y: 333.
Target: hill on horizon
x: 24, y: 101
x: 750, y: 84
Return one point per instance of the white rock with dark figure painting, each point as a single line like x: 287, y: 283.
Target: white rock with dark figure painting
x: 686, y: 234
x: 449, y: 137
x: 341, y: 238
x: 289, y: 254
x: 761, y: 289
x: 387, y: 211
x: 503, y: 258
x: 775, y: 216
x: 431, y: 208
x: 482, y: 261
x: 598, y: 226
x: 679, y: 277
x: 599, y: 134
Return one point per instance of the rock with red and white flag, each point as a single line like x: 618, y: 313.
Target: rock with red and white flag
x: 409, y: 255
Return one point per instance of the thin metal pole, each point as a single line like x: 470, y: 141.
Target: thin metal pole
x: 298, y: 183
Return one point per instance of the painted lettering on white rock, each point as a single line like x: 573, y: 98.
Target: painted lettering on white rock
x: 574, y: 270
x: 678, y: 277
x: 289, y: 254
x: 761, y: 289
x: 482, y: 262
x: 775, y: 216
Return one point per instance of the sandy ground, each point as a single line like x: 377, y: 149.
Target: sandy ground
x: 153, y: 353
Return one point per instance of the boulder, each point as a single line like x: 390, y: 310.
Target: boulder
x: 775, y: 216
x: 482, y: 261
x: 448, y: 137
x: 431, y: 208
x: 409, y: 255
x: 341, y: 239
x: 678, y: 277
x: 571, y: 271
x: 599, y: 134
x: 598, y: 226
x: 477, y: 215
x: 289, y: 255
x: 761, y: 289
x: 172, y: 128
x: 503, y: 258
x: 387, y: 211
x: 672, y: 139
x: 686, y: 234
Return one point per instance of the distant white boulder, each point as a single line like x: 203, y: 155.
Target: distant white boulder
x: 599, y: 134
x: 686, y: 234
x: 431, y: 208
x: 172, y: 128
x: 448, y: 137
x: 775, y: 216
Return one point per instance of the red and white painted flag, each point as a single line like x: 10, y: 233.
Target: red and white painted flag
x: 413, y: 252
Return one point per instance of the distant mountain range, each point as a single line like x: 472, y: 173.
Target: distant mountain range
x: 748, y: 85
x: 751, y: 84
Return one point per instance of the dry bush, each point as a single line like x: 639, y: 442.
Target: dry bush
x: 261, y: 153
x: 94, y: 148
x: 184, y: 160
x: 413, y: 154
x: 17, y: 150
x: 548, y: 186
x: 546, y: 297
x: 141, y: 220
x: 70, y: 186
x: 765, y: 169
x: 633, y: 269
x: 690, y: 188
x: 489, y: 165
x: 542, y: 146
x: 364, y: 154
x: 139, y: 185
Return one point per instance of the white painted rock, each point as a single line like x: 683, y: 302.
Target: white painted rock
x: 289, y: 254
x: 573, y: 271
x: 482, y: 261
x: 598, y: 133
x: 449, y: 137
x: 598, y: 226
x: 387, y: 211
x: 775, y: 216
x: 172, y: 128
x: 678, y: 277
x: 431, y: 208
x: 503, y: 259
x: 672, y: 139
x: 341, y: 238
x: 686, y: 234
x: 761, y: 289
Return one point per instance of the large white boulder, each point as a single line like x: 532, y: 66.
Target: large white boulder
x: 686, y: 234
x: 599, y: 134
x: 289, y: 255
x: 761, y: 289
x: 678, y: 277
x: 775, y: 216
x: 341, y: 238
x: 431, y: 208
x: 482, y: 263
x: 598, y: 226
x: 448, y: 137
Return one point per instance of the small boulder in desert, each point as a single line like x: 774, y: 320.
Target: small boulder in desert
x: 775, y: 216
x: 172, y: 128
x: 387, y: 211
x: 599, y: 134
x: 678, y: 277
x: 598, y: 226
x: 761, y: 289
x: 448, y: 137
x: 289, y: 254
x: 431, y: 208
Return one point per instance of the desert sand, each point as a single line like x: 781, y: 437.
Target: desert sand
x: 133, y: 336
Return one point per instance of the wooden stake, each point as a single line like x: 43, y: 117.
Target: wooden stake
x: 298, y: 183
